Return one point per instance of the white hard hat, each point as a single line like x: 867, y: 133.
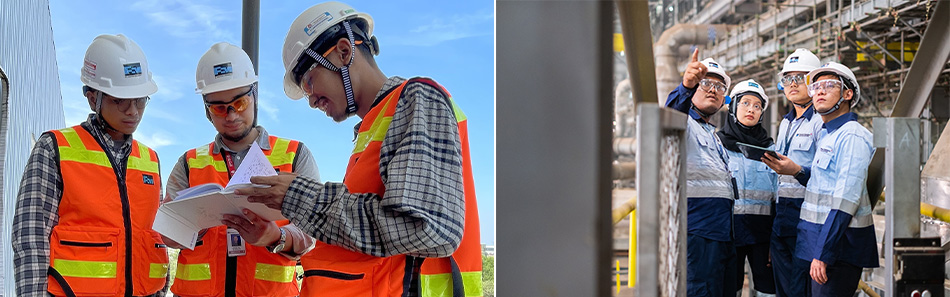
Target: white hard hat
x: 749, y: 86
x: 116, y: 65
x: 304, y: 31
x: 223, y: 67
x: 715, y: 68
x: 843, y: 72
x: 800, y: 60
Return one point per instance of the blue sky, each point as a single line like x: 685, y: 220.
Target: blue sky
x: 450, y: 41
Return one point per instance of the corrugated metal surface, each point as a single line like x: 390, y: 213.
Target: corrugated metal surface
x: 32, y: 103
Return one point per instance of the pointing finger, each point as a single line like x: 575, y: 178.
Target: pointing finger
x: 695, y: 57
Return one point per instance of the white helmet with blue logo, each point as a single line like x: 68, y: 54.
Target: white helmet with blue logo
x: 800, y: 60
x: 223, y: 67
x: 750, y: 86
x: 304, y: 31
x: 116, y: 65
x: 713, y: 67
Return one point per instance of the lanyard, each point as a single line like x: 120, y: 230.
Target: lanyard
x: 789, y: 137
x: 229, y: 161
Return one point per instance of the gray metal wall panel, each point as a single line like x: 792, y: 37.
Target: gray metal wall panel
x: 28, y: 60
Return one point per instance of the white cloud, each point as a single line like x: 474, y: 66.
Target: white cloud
x: 267, y: 106
x: 155, y: 140
x: 185, y: 19
x: 169, y: 88
x: 451, y: 28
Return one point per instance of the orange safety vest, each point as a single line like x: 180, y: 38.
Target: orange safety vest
x: 104, y: 244
x: 203, y: 271
x: 334, y: 271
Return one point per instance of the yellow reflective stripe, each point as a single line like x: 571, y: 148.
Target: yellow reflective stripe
x: 274, y: 273
x: 144, y: 161
x: 459, y: 115
x: 89, y: 269
x: 72, y: 137
x: 143, y: 165
x: 279, y: 155
x: 193, y: 272
x: 377, y: 132
x: 440, y: 285
x: 157, y: 270
x: 84, y: 156
x: 203, y: 159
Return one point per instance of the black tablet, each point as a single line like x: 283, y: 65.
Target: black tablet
x: 752, y: 152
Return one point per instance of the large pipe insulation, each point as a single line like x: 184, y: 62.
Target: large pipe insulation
x: 667, y: 52
x: 625, y: 146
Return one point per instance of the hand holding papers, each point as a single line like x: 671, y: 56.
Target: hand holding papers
x: 204, y: 206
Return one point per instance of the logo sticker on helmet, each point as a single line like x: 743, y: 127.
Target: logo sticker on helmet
x: 714, y: 65
x: 132, y: 69
x: 347, y: 11
x: 309, y: 29
x: 754, y: 85
x: 89, y: 67
x: 793, y: 60
x: 222, y: 69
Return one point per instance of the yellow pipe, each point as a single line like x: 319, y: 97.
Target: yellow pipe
x: 932, y: 211
x: 867, y: 289
x: 624, y: 209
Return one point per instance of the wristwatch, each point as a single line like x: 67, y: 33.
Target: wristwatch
x: 280, y: 242
x: 799, y: 173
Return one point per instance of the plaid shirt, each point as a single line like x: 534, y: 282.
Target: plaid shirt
x: 37, y: 207
x: 422, y: 212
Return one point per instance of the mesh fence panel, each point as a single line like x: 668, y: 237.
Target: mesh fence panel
x: 669, y: 248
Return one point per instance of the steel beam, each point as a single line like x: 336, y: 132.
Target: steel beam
x: 557, y: 235
x: 931, y: 58
x: 900, y: 140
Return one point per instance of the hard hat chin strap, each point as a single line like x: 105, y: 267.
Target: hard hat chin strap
x: 833, y: 109
x: 344, y: 70
x: 102, y: 120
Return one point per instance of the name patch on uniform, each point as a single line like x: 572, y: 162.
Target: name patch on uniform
x: 148, y: 179
x: 803, y: 135
x: 826, y: 150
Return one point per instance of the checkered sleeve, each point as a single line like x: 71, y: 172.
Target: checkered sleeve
x: 422, y: 211
x: 36, y: 213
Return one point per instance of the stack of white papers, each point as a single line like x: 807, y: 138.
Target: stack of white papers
x: 204, y: 206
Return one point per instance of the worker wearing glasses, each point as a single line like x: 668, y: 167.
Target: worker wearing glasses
x: 836, y: 231
x: 227, y: 81
x: 90, y: 192
x: 796, y: 143
x: 710, y: 188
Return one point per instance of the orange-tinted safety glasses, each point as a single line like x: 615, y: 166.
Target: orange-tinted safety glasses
x: 239, y: 104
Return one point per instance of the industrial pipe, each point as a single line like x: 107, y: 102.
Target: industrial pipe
x: 867, y: 289
x: 666, y: 52
x: 935, y: 212
x: 624, y: 170
x: 625, y: 146
x: 624, y: 209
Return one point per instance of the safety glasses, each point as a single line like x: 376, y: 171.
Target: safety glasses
x: 709, y: 85
x: 797, y: 79
x: 824, y: 86
x: 239, y: 104
x: 753, y: 106
x: 125, y: 104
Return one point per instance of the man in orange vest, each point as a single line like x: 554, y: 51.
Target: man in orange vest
x: 89, y: 194
x: 404, y: 221
x: 247, y: 257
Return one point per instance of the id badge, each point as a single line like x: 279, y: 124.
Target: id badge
x: 235, y: 243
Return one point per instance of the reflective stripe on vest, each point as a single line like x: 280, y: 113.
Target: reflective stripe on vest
x: 106, y: 250
x: 440, y: 285
x: 202, y: 270
x: 383, y: 274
